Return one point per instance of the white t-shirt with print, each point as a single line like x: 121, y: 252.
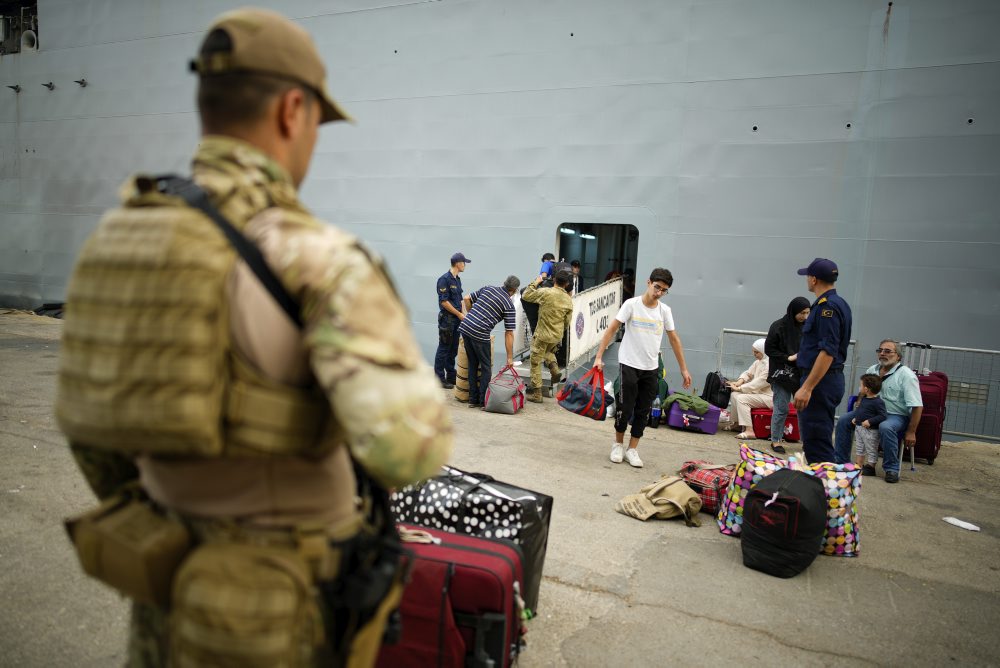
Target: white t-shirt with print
x: 644, y: 329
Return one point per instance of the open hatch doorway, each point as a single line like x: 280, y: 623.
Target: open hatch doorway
x: 605, y: 251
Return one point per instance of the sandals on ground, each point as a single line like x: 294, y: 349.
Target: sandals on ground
x: 746, y: 436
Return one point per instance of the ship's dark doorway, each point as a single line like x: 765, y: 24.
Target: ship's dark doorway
x: 604, y: 251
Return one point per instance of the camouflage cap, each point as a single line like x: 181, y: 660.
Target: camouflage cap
x: 268, y: 43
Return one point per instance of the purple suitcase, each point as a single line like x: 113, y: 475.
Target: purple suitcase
x: 680, y: 418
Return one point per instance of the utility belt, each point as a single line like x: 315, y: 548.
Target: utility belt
x: 335, y: 588
x: 447, y: 327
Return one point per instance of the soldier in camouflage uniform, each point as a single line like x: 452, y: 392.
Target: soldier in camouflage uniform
x: 146, y: 323
x: 555, y: 310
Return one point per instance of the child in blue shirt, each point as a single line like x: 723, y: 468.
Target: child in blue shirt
x: 869, y: 413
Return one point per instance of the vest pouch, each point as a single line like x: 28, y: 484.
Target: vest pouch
x: 129, y: 545
x: 244, y: 605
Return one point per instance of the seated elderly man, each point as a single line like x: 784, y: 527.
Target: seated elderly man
x: 751, y: 390
x: 901, y: 395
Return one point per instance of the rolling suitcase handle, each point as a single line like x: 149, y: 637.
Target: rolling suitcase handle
x: 922, y: 367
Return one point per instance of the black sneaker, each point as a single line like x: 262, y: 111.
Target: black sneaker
x: 867, y: 469
x: 446, y: 385
x: 476, y: 405
x: 778, y: 447
x: 892, y: 476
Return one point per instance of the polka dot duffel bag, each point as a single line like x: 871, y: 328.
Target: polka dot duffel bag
x: 841, y: 483
x: 753, y: 466
x: 478, y: 505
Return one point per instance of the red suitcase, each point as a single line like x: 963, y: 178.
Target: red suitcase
x: 761, y: 422
x: 461, y: 605
x: 934, y: 392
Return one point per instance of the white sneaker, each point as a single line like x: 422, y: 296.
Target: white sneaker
x: 616, y: 452
x: 632, y: 455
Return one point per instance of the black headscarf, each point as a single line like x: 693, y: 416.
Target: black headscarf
x: 791, y: 329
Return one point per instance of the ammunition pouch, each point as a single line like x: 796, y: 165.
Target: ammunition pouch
x: 249, y: 605
x: 131, y: 545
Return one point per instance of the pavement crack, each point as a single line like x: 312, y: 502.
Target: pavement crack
x: 589, y: 589
x: 838, y: 656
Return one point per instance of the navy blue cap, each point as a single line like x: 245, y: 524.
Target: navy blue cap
x: 823, y: 269
x: 459, y: 257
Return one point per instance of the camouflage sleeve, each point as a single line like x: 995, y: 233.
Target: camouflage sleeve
x: 532, y: 294
x: 105, y: 471
x: 385, y: 398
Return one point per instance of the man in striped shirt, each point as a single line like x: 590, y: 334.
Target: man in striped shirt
x: 486, y: 307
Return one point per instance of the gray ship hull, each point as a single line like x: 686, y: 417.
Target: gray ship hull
x: 740, y: 139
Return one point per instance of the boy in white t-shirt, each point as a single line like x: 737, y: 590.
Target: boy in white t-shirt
x: 645, y: 319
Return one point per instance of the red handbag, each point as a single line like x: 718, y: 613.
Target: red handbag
x: 586, y: 396
x: 709, y: 480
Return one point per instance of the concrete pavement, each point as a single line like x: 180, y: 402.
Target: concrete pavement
x: 616, y: 591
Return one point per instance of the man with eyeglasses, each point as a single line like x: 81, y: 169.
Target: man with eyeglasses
x: 645, y: 319
x: 822, y: 353
x: 901, y: 395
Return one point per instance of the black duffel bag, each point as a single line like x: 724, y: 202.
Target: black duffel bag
x: 784, y: 518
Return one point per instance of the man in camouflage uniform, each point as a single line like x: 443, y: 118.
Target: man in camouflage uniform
x: 555, y: 310
x: 352, y: 373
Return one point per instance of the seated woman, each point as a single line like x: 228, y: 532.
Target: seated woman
x: 751, y: 390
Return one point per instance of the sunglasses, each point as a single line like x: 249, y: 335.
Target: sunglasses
x: 887, y: 351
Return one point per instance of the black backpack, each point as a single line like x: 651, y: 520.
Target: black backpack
x: 784, y: 518
x: 716, y: 392
x: 550, y: 280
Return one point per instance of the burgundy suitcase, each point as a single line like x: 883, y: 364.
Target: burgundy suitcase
x: 681, y: 418
x: 761, y: 419
x: 461, y: 605
x: 934, y: 392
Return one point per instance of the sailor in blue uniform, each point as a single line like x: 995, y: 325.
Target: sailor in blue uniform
x: 449, y: 296
x: 822, y: 353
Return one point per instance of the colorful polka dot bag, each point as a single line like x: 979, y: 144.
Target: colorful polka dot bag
x: 753, y: 466
x: 842, y: 483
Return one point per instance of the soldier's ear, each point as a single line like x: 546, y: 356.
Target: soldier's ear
x: 294, y: 110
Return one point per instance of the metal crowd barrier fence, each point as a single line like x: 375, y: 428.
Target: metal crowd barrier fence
x: 973, y: 401
x: 735, y: 356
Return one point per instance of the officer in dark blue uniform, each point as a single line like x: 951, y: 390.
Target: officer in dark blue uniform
x: 822, y: 353
x: 449, y: 296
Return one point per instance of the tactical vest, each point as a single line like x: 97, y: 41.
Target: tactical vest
x: 147, y: 363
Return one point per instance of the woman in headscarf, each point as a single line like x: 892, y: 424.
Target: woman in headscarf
x: 782, y: 348
x: 751, y: 390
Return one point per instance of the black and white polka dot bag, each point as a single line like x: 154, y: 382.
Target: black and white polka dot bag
x: 478, y: 505
x: 446, y: 503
